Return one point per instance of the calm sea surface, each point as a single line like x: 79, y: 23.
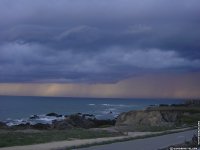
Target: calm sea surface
x: 17, y: 107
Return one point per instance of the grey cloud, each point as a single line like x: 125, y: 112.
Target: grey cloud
x: 96, y: 41
x: 26, y: 62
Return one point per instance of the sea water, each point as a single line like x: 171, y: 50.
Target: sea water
x: 22, y: 107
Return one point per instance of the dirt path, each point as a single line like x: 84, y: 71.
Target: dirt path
x: 66, y: 144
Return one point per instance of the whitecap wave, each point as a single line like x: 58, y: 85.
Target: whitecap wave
x: 118, y: 105
x: 91, y: 104
x: 15, y: 122
x: 40, y: 119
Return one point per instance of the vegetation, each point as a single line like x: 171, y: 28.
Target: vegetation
x: 190, y: 119
x: 190, y: 109
x: 13, y: 138
x: 191, y: 102
x: 190, y: 115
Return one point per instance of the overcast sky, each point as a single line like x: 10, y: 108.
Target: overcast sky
x: 98, y: 41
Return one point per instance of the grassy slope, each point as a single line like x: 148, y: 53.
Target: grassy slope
x: 11, y: 138
x: 189, y: 109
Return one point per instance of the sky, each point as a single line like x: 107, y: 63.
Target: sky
x: 100, y: 48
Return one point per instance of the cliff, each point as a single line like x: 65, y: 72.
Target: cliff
x: 145, y: 119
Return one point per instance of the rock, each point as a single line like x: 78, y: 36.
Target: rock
x: 100, y: 123
x: 88, y: 116
x: 195, y: 139
x: 72, y: 121
x: 40, y: 126
x: 34, y: 117
x: 21, y: 126
x: 61, y: 125
x: 53, y: 115
x: 171, y: 116
x: 79, y: 121
x: 147, y: 118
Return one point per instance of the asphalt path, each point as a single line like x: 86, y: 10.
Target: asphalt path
x: 153, y: 143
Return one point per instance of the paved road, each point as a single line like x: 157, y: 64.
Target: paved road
x: 152, y: 143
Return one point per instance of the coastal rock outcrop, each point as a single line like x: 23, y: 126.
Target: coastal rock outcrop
x: 72, y: 121
x: 61, y: 125
x: 60, y: 122
x: 147, y: 118
x: 53, y: 115
x: 80, y: 121
x: 40, y: 126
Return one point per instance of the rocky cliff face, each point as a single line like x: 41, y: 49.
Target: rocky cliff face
x: 147, y: 118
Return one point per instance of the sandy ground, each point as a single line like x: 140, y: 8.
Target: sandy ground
x: 65, y: 144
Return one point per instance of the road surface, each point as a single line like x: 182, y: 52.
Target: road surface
x: 152, y: 143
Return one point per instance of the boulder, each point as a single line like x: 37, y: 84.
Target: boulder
x: 34, y: 117
x: 53, y: 115
x: 61, y: 125
x: 79, y: 121
x: 72, y: 121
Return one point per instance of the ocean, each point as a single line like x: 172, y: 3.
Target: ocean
x: 20, y: 108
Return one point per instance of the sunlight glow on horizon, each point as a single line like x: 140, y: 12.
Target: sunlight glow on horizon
x: 149, y: 86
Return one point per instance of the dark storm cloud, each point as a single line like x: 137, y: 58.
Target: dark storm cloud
x: 96, y: 41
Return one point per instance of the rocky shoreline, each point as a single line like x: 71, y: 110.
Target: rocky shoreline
x: 160, y: 117
x: 60, y: 122
x: 153, y: 117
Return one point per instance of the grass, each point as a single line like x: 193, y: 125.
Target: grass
x: 16, y: 138
x: 191, y: 109
x: 11, y: 138
x: 190, y: 119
